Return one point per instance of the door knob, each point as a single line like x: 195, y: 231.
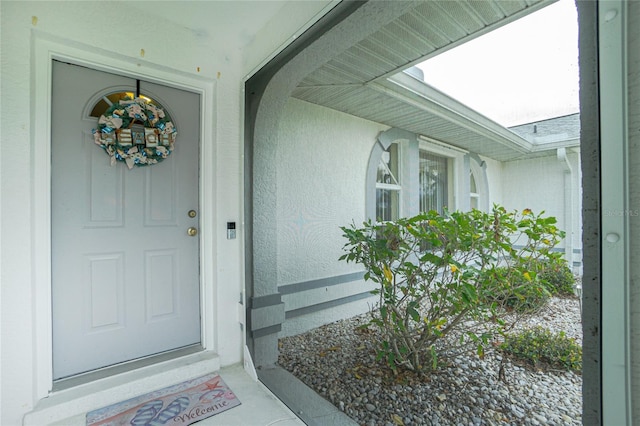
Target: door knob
x: 192, y: 232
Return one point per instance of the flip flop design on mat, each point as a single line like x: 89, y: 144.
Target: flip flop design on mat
x: 148, y: 414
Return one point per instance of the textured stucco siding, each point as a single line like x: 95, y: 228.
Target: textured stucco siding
x: 539, y: 184
x: 322, y: 162
x: 634, y: 196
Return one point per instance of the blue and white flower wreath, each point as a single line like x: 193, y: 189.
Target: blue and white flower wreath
x: 117, y: 136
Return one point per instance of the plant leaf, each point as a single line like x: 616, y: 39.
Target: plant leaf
x: 397, y: 420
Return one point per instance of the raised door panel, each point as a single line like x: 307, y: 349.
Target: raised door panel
x: 125, y: 274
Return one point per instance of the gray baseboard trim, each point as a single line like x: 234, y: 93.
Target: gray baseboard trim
x: 553, y: 250
x: 310, y: 407
x: 266, y: 315
x: 319, y: 283
x: 326, y: 305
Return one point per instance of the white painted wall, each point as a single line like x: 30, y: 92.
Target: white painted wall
x: 322, y: 163
x: 538, y: 184
x: 534, y: 184
x: 218, y: 56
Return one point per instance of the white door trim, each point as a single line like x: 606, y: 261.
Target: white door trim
x: 45, y: 50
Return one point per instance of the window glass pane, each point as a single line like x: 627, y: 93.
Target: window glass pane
x: 106, y: 101
x: 474, y: 202
x: 433, y: 182
x: 388, y: 166
x: 387, y: 186
x: 473, y: 191
x: 387, y: 202
x: 472, y: 183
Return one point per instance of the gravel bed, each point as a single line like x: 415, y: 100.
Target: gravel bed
x: 338, y: 362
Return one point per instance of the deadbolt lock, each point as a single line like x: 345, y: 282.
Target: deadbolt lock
x: 192, y: 213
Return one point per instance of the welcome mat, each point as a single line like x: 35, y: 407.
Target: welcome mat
x: 181, y: 404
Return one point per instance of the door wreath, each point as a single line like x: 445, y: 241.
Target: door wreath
x: 149, y: 142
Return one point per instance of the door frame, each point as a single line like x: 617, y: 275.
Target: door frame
x: 45, y: 51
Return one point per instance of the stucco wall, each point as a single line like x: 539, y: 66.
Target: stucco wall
x: 539, y: 184
x: 634, y: 195
x: 322, y: 163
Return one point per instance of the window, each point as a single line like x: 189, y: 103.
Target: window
x: 478, y: 184
x: 434, y: 182
x: 408, y: 174
x: 106, y: 101
x: 474, y: 202
x: 387, y: 186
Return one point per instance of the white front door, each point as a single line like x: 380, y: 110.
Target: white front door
x: 125, y: 273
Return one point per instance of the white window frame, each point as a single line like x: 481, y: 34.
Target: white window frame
x: 473, y: 195
x: 397, y: 176
x: 478, y: 167
x: 456, y: 172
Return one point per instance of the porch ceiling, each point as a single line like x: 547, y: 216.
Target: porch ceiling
x: 363, y: 81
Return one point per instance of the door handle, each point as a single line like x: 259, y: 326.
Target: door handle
x: 192, y: 232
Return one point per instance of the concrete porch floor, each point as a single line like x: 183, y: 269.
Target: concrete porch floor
x: 259, y: 406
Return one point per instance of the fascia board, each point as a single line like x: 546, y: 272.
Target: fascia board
x: 421, y: 95
x: 552, y: 146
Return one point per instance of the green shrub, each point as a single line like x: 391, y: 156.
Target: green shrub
x: 548, y: 276
x: 451, y: 287
x: 513, y: 291
x: 541, y: 345
x: 558, y: 276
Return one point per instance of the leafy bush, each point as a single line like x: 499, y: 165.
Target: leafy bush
x: 541, y: 345
x: 558, y: 276
x: 528, y: 293
x: 448, y: 289
x: 511, y: 291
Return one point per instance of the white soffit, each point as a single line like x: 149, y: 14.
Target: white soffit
x: 363, y: 80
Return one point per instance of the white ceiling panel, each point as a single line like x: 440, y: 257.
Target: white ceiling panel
x: 362, y: 80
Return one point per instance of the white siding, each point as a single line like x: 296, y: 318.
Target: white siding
x: 322, y: 163
x: 539, y: 184
x: 534, y: 184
